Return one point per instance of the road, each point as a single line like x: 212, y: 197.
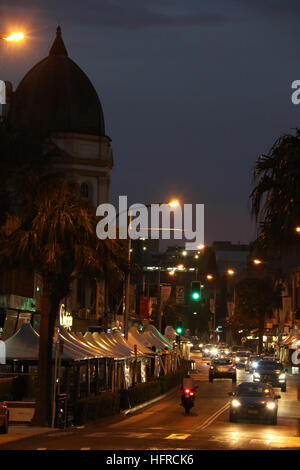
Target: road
x: 164, y: 425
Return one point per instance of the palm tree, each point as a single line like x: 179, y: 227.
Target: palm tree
x: 275, y: 199
x: 56, y: 237
x: 255, y: 300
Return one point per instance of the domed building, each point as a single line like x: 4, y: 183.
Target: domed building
x: 57, y: 98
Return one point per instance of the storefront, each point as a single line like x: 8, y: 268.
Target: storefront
x: 14, y: 312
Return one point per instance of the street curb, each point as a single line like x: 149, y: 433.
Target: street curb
x: 146, y: 403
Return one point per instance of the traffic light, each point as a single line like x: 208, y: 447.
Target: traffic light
x: 179, y: 328
x: 196, y: 291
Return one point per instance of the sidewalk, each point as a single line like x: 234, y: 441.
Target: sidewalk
x: 21, y: 431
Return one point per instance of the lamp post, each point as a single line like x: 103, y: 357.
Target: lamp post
x: 173, y: 204
x: 12, y: 37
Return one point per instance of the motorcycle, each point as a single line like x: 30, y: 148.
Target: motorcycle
x: 187, y: 399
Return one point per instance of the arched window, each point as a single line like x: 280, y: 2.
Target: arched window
x: 84, y: 189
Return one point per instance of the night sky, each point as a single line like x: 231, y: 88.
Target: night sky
x: 192, y: 91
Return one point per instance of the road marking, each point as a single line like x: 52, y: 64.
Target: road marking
x: 177, y: 436
x: 138, y: 435
x: 212, y: 418
x: 85, y: 448
x: 41, y: 448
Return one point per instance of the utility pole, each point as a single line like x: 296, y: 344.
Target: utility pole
x: 127, y: 288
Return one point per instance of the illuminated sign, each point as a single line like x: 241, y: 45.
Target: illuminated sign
x: 65, y: 317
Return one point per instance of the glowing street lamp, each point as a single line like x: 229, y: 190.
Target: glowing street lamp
x: 12, y: 37
x: 297, y: 229
x: 174, y: 203
x: 257, y: 261
x: 209, y: 277
x: 231, y: 272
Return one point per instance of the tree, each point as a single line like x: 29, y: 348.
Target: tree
x: 255, y: 300
x: 275, y: 199
x: 47, y: 227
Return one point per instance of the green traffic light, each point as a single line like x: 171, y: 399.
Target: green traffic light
x: 179, y: 330
x: 196, y: 296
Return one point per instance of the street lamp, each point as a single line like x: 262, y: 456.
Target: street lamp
x: 173, y: 204
x: 297, y: 229
x: 12, y: 37
x: 257, y: 261
x: 230, y: 272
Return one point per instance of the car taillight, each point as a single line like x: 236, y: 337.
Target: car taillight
x: 187, y: 391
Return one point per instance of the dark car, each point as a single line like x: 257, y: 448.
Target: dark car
x: 222, y: 368
x: 254, y: 401
x: 4, y: 418
x: 241, y: 358
x: 271, y: 372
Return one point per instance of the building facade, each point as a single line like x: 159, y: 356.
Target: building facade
x: 57, y: 99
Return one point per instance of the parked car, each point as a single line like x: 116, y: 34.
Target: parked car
x: 4, y: 418
x: 222, y: 368
x: 254, y: 401
x: 241, y: 358
x: 272, y: 372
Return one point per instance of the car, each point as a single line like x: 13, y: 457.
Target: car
x: 4, y: 418
x: 206, y: 351
x: 241, y: 358
x: 254, y: 401
x: 268, y: 358
x: 252, y: 363
x: 222, y: 368
x: 197, y: 345
x: 272, y: 372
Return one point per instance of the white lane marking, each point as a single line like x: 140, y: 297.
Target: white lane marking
x: 212, y: 418
x: 177, y: 436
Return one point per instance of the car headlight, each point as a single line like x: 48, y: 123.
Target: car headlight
x: 237, y: 359
x: 206, y: 350
x: 214, y: 351
x: 235, y: 403
x: 282, y: 376
x: 256, y: 375
x: 271, y: 405
x: 254, y: 364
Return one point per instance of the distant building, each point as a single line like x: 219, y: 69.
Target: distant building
x: 230, y: 256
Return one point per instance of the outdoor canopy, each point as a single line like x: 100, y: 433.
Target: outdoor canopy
x: 156, y: 338
x: 134, y: 337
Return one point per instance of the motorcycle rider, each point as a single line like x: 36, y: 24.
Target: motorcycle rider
x: 187, y: 383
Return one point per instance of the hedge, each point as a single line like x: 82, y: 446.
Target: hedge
x: 109, y: 403
x: 99, y: 406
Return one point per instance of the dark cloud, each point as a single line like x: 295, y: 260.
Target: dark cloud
x: 125, y: 14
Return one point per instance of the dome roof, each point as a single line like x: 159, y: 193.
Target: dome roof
x: 57, y: 96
